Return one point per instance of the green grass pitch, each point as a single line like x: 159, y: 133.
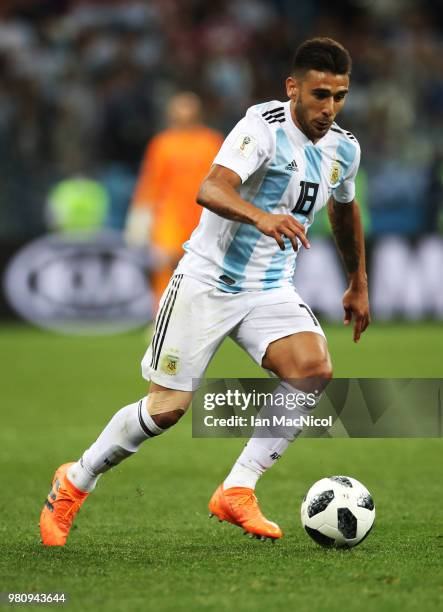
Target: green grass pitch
x: 143, y: 540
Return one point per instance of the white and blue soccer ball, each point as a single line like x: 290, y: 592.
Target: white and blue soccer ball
x: 338, y: 511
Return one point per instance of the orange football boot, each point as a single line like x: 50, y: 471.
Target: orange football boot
x: 61, y: 506
x: 239, y: 506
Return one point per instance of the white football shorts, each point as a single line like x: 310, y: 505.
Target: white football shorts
x: 194, y: 318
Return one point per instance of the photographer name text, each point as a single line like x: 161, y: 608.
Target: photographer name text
x: 274, y: 421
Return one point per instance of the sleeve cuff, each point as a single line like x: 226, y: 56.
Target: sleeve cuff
x: 243, y: 174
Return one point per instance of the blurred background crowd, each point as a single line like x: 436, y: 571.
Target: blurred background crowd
x: 83, y: 85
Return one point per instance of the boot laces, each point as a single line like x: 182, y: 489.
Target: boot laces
x: 71, y: 504
x: 247, y: 499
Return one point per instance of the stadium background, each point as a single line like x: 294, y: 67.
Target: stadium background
x: 82, y: 88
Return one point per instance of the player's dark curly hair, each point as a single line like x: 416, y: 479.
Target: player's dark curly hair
x: 323, y: 54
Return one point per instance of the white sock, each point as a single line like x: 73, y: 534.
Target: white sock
x: 121, y: 438
x: 258, y: 456
x: 261, y: 453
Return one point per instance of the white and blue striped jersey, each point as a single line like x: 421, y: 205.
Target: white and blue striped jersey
x: 282, y: 172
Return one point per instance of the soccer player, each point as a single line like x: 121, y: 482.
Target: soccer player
x: 281, y: 163
x: 163, y: 210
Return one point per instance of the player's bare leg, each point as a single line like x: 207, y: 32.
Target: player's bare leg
x: 121, y: 438
x: 300, y: 357
x: 302, y: 362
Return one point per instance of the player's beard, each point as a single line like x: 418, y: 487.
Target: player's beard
x: 301, y: 116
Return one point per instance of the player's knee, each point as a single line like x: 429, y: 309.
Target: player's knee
x: 311, y: 367
x: 308, y: 367
x: 167, y: 406
x: 167, y: 419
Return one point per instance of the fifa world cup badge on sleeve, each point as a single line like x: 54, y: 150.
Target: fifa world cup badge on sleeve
x: 170, y: 364
x: 245, y: 145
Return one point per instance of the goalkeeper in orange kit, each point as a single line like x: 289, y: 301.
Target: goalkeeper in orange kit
x: 163, y: 211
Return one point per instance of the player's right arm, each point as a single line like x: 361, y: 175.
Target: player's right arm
x: 218, y: 193
x: 249, y: 145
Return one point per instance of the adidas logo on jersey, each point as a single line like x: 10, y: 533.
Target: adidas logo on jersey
x: 292, y: 166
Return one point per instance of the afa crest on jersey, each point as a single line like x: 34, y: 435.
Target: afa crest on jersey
x: 335, y: 172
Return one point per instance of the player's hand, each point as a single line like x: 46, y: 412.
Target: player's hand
x: 277, y: 226
x: 356, y: 305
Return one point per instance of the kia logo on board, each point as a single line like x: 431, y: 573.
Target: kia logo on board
x: 80, y: 284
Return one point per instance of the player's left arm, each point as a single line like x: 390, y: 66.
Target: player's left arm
x: 348, y: 234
